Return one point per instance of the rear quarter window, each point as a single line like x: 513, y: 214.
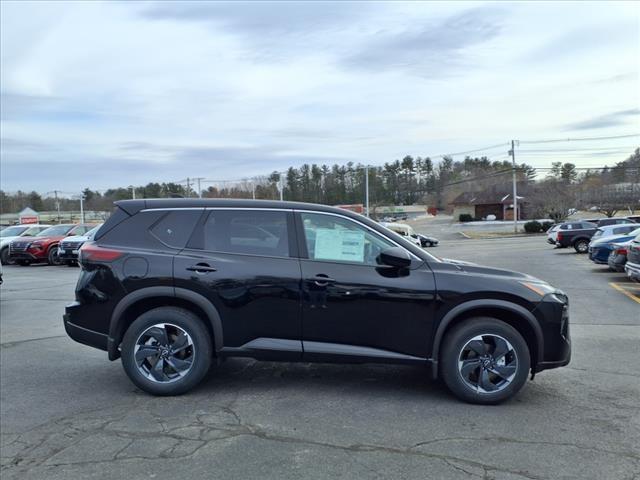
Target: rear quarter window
x: 175, y: 227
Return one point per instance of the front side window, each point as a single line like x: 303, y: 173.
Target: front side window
x: 248, y: 232
x: 337, y: 239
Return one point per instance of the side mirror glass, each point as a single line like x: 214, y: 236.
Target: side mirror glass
x: 395, y: 257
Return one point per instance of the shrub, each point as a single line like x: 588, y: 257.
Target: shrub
x: 533, y: 227
x: 465, y: 217
x: 547, y: 225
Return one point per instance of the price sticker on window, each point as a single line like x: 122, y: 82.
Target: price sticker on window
x: 342, y: 245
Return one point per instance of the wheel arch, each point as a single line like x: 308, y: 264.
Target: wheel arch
x: 139, y: 301
x: 511, y: 313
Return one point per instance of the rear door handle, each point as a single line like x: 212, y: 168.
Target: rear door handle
x: 201, y: 268
x: 322, y: 280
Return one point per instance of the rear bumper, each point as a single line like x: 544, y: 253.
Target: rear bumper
x: 82, y: 334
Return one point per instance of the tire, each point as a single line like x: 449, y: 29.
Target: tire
x: 24, y: 263
x: 52, y: 256
x: 581, y: 246
x: 147, y: 331
x: 4, y: 256
x: 473, y: 382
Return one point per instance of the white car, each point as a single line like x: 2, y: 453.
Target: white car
x: 404, y: 230
x: 11, y: 233
x: 552, y: 234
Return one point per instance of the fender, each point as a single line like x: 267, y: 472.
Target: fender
x: 150, y: 292
x: 472, y: 304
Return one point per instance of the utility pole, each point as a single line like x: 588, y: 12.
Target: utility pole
x: 57, y: 204
x: 188, y: 186
x: 198, y: 179
x: 253, y: 190
x: 281, y: 183
x: 515, y: 187
x: 366, y: 190
x: 81, y: 206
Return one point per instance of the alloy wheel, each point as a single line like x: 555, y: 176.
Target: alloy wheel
x: 487, y: 363
x: 164, y: 353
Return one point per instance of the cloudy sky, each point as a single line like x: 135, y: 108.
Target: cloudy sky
x: 106, y: 94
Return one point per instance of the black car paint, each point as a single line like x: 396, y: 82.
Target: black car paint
x: 276, y: 309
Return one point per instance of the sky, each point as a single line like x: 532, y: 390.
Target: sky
x: 106, y: 94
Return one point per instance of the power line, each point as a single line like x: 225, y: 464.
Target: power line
x: 582, y: 139
x: 490, y: 147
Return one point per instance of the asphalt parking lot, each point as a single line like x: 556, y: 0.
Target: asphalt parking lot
x: 67, y: 412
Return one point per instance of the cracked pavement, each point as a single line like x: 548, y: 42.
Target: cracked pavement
x: 67, y: 412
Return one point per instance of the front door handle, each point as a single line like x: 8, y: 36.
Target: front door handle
x: 322, y: 280
x: 201, y: 268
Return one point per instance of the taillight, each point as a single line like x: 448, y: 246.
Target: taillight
x: 93, y: 253
x: 621, y: 251
x: 559, y: 237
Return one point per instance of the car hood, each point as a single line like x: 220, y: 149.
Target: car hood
x: 7, y: 240
x: 38, y: 239
x: 611, y: 239
x: 484, y: 270
x: 76, y: 238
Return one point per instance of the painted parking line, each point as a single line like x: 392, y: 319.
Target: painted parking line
x: 631, y: 291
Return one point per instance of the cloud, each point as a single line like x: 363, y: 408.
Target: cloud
x: 430, y: 48
x: 613, y: 119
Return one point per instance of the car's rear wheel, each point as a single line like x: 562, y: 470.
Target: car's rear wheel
x: 484, y: 361
x: 581, y: 246
x: 167, y: 351
x: 52, y: 257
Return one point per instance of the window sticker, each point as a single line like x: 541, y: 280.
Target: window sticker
x: 344, y: 245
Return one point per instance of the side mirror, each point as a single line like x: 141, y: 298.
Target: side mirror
x: 395, y: 257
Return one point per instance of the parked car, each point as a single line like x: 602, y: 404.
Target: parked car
x: 576, y: 235
x: 618, y: 256
x: 613, y: 230
x: 7, y: 235
x: 170, y: 284
x: 43, y: 247
x: 69, y: 246
x: 404, y: 230
x: 632, y: 267
x: 603, y: 222
x: 426, y: 241
x: 634, y: 218
x: 552, y: 233
x: 600, y: 247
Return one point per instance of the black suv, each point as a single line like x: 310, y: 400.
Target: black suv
x: 169, y: 285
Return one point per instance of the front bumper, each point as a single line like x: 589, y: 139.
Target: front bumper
x: 26, y: 256
x: 633, y: 270
x: 82, y: 334
x: 553, y: 313
x: 67, y: 255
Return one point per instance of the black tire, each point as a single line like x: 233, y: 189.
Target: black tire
x: 201, y: 351
x: 52, y: 256
x: 4, y: 256
x: 581, y: 245
x: 454, y: 349
x: 24, y: 263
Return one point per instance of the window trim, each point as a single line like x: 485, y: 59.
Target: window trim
x: 302, y: 241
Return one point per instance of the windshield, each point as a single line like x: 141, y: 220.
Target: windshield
x: 93, y: 231
x: 13, y: 231
x: 56, y: 231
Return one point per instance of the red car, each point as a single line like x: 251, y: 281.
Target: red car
x: 44, y: 246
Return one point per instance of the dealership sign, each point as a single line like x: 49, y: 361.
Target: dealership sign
x: 28, y: 215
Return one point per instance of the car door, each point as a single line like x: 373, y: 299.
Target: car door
x: 245, y: 262
x: 352, y: 307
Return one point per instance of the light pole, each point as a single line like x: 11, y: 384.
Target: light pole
x: 366, y: 190
x: 82, y: 207
x: 515, y: 187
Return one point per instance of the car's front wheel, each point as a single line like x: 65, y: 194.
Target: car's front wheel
x: 581, y: 246
x: 484, y: 361
x: 4, y: 256
x: 52, y: 257
x: 166, y: 351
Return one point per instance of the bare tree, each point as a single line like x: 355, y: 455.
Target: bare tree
x: 553, y: 198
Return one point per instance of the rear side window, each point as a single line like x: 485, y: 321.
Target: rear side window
x: 621, y: 230
x: 175, y: 227
x: 248, y: 232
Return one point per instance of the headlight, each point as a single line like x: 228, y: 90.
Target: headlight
x: 540, y: 288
